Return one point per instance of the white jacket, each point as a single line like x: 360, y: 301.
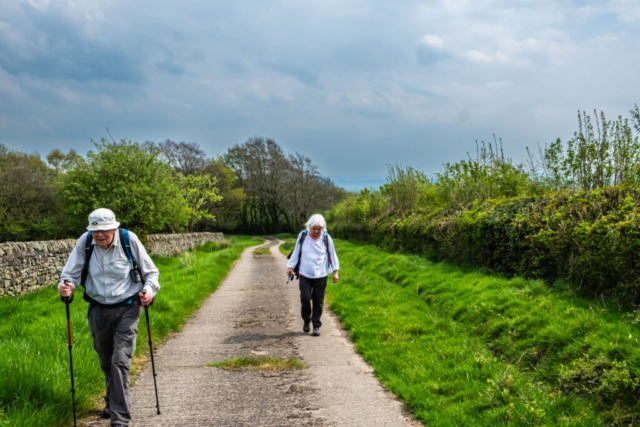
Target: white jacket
x: 315, y: 263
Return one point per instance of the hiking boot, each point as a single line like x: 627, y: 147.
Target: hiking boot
x: 106, y: 413
x: 316, y: 331
x: 305, y: 328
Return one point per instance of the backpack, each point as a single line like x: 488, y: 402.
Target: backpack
x: 325, y: 239
x: 126, y: 247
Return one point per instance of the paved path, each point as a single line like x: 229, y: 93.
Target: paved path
x: 255, y: 313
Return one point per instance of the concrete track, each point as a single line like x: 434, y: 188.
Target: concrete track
x: 254, y: 313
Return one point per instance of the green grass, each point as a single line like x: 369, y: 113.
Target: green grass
x: 34, y: 358
x: 258, y: 364
x: 282, y: 236
x: 289, y: 242
x: 262, y: 251
x: 465, y: 348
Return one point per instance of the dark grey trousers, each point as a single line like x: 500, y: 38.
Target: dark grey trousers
x: 114, y: 331
x: 312, y: 290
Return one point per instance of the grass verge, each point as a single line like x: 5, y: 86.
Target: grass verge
x: 262, y: 251
x: 34, y: 358
x: 289, y: 242
x: 282, y: 236
x: 258, y: 364
x: 465, y: 348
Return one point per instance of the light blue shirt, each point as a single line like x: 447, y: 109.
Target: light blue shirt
x: 109, y: 281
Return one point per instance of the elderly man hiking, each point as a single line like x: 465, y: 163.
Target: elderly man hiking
x: 313, y: 259
x: 119, y: 278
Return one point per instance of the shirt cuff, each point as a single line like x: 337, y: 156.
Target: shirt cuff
x: 149, y: 290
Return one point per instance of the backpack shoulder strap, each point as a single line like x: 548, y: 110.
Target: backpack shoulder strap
x: 326, y: 245
x: 126, y: 243
x: 88, y: 250
x: 302, y: 237
x: 296, y: 269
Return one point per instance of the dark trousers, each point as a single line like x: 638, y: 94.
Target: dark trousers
x: 114, y: 331
x: 312, y: 290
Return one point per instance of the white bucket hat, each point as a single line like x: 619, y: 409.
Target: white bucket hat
x: 102, y: 219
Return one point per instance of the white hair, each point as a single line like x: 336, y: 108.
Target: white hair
x: 316, y: 219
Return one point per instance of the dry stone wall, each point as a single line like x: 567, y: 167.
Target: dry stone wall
x: 28, y: 266
x: 171, y: 244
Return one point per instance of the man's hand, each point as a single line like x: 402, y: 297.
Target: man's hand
x: 289, y: 272
x: 335, y: 276
x: 145, y: 299
x: 66, y: 289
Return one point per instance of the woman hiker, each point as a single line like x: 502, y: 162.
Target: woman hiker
x: 313, y: 259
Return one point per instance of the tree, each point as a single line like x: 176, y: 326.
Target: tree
x: 227, y: 211
x: 28, y: 207
x: 280, y: 190
x: 63, y: 162
x: 198, y: 191
x: 260, y: 165
x: 635, y: 117
x: 140, y: 188
x: 185, y: 157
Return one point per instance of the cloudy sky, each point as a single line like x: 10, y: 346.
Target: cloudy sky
x: 352, y: 84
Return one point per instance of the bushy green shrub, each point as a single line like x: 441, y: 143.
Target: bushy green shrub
x: 136, y: 184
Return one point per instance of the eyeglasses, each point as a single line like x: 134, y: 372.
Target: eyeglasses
x: 105, y: 232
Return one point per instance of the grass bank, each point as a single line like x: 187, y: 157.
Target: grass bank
x: 258, y: 364
x: 465, y: 348
x: 34, y: 359
x: 289, y: 242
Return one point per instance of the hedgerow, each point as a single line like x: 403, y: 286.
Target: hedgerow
x: 589, y: 238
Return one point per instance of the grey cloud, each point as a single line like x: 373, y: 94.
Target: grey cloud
x: 170, y: 67
x: 55, y: 47
x: 303, y: 75
x: 428, y: 55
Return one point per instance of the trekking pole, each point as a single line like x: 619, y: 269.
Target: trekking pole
x: 73, y: 390
x: 153, y: 366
